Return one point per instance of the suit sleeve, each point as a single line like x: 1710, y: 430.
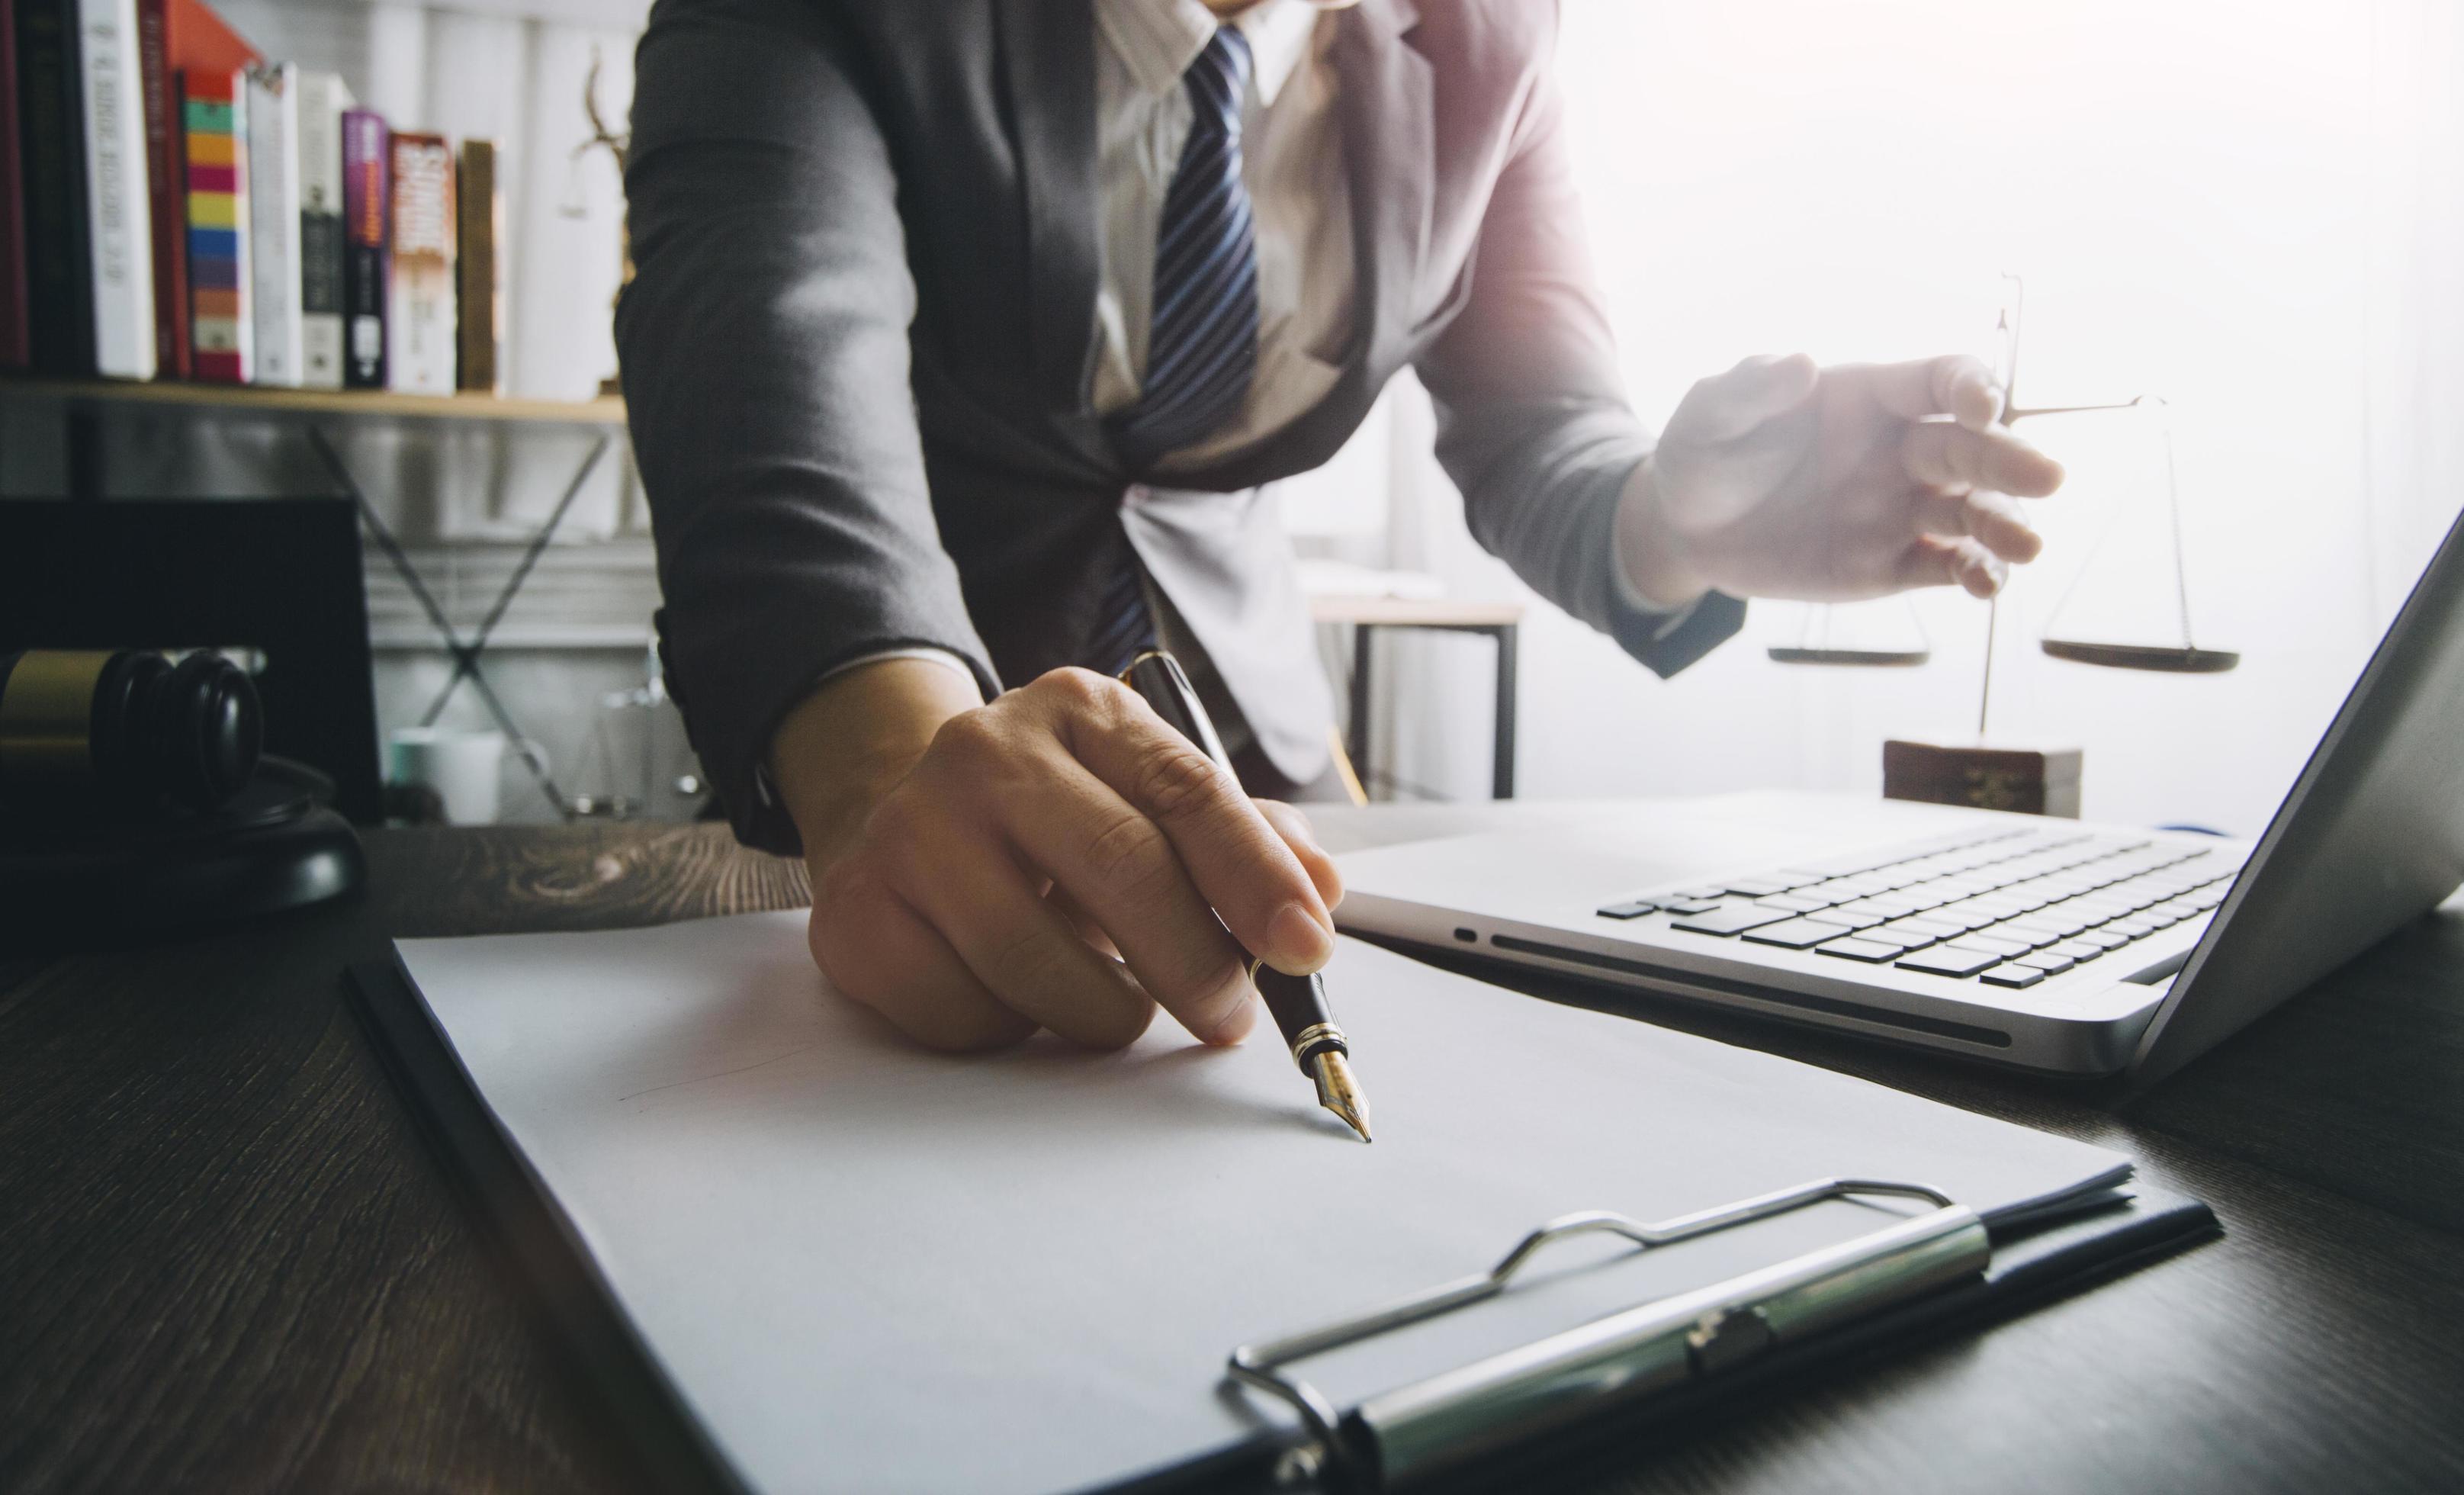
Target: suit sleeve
x: 765, y: 349
x: 1533, y: 420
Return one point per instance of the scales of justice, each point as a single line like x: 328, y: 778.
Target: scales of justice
x: 2043, y: 781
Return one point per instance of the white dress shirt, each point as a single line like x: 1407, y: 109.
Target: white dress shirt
x: 1300, y: 195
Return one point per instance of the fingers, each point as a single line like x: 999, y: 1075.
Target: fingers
x: 1726, y: 406
x: 1061, y: 858
x: 1294, y: 828
x: 1240, y: 864
x: 1955, y: 385
x: 1940, y: 454
x: 1931, y: 561
x: 1119, y: 867
x: 877, y: 950
x: 1028, y: 955
x: 1991, y: 517
x: 1080, y: 919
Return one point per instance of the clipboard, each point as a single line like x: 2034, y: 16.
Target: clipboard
x: 1943, y: 1270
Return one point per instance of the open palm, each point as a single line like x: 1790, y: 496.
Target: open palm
x: 1782, y: 479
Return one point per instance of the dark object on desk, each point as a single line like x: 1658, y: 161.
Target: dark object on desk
x: 2029, y: 781
x: 1298, y: 1004
x: 126, y: 731
x: 283, y: 577
x: 134, y: 804
x: 72, y: 877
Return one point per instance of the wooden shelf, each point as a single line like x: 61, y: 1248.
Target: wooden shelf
x: 359, y: 403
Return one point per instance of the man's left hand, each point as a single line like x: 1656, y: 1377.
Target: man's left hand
x: 1782, y: 479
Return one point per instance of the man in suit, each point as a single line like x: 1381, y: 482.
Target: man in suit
x: 968, y: 339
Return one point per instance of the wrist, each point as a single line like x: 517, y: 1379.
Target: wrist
x: 1652, y: 560
x: 842, y: 749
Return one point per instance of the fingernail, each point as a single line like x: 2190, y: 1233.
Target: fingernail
x: 1301, y: 943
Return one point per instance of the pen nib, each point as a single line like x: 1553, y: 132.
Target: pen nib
x: 1338, y: 1094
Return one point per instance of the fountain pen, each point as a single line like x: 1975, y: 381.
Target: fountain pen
x: 1298, y: 1004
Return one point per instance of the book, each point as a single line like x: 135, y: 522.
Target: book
x: 272, y: 142
x: 322, y: 99
x: 214, y: 109
x: 481, y: 273
x: 367, y: 241
x: 420, y: 323
x: 16, y: 348
x: 119, y: 220
x: 60, y: 290
x: 175, y: 36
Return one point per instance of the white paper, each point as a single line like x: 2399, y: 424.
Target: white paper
x: 869, y: 1268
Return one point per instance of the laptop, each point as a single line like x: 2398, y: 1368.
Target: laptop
x: 2051, y: 945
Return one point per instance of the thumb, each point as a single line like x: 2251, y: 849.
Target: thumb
x: 1726, y: 406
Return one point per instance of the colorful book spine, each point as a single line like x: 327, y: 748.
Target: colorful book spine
x: 322, y: 99
x: 176, y: 37
x: 422, y: 326
x: 59, y: 283
x: 272, y: 143
x: 17, y: 344
x: 213, y: 108
x: 119, y: 219
x: 367, y: 241
x: 482, y: 277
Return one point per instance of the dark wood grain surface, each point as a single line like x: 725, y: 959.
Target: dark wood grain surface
x: 227, y: 1261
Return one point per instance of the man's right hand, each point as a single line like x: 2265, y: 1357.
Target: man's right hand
x: 1057, y: 859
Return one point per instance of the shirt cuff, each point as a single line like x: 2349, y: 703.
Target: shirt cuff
x: 923, y: 652
x: 1662, y: 620
x: 767, y: 791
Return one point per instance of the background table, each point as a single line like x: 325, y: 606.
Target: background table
x: 227, y: 1263
x: 1501, y: 622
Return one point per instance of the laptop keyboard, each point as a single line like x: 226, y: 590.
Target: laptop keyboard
x: 2006, y: 907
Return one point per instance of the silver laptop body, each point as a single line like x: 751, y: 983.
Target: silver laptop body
x: 2048, y: 944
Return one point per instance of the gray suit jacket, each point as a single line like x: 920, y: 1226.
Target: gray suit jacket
x: 859, y: 352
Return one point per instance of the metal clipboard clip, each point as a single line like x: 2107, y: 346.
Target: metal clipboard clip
x: 1398, y: 1438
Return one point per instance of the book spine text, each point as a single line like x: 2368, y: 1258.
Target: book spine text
x: 420, y: 318
x: 367, y: 238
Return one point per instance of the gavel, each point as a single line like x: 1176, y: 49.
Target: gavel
x: 125, y: 730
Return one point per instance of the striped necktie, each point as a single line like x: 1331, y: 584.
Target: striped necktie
x: 1203, y: 335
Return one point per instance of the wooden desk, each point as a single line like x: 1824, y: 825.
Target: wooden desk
x: 227, y: 1263
x: 1499, y: 621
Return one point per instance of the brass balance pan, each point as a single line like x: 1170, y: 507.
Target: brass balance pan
x: 2163, y: 658
x: 1868, y: 658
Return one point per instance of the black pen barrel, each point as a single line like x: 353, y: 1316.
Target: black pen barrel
x: 1159, y: 677
x: 1298, y: 1004
x: 1302, y: 1014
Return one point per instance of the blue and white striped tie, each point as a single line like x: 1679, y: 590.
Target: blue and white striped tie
x: 1203, y: 337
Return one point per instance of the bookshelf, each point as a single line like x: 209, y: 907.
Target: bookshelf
x: 349, y: 403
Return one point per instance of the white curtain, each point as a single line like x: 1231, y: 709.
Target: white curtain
x: 2251, y: 209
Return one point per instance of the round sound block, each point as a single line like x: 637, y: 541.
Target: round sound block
x: 71, y: 881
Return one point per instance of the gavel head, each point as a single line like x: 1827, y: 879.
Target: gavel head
x: 126, y: 731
